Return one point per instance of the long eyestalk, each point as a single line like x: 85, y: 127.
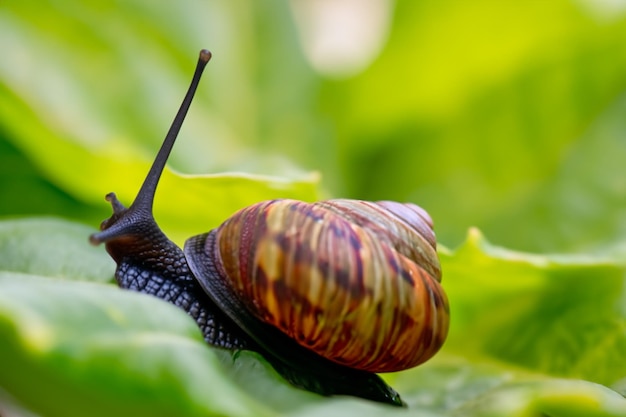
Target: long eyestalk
x: 120, y: 223
x: 145, y: 197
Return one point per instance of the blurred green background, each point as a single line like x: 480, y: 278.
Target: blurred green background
x: 506, y: 115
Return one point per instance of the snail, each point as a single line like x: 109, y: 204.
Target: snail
x: 329, y: 293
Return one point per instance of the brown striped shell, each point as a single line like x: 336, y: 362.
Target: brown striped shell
x: 356, y: 282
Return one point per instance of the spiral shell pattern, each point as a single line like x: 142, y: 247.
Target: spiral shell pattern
x: 356, y: 282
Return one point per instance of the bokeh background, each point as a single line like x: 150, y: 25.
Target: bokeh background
x: 506, y: 115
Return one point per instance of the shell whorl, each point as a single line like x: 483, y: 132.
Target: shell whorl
x: 356, y: 282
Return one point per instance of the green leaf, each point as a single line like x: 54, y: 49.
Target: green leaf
x: 118, y: 353
x: 451, y: 386
x: 559, y: 315
x: 53, y: 248
x: 123, y: 353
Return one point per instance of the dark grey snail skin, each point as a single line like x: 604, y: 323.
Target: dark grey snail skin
x: 148, y: 262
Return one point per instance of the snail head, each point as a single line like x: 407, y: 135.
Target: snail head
x: 129, y: 223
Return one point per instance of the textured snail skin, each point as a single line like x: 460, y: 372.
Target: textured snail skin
x: 148, y: 262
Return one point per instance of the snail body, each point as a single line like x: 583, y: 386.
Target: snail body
x: 329, y: 292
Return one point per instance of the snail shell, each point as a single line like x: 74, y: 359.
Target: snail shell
x: 355, y: 282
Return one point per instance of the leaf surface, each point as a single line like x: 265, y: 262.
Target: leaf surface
x: 125, y: 353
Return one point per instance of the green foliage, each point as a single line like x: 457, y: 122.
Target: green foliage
x: 508, y: 116
x: 49, y: 247
x: 483, y: 112
x: 490, y: 111
x: 529, y: 336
